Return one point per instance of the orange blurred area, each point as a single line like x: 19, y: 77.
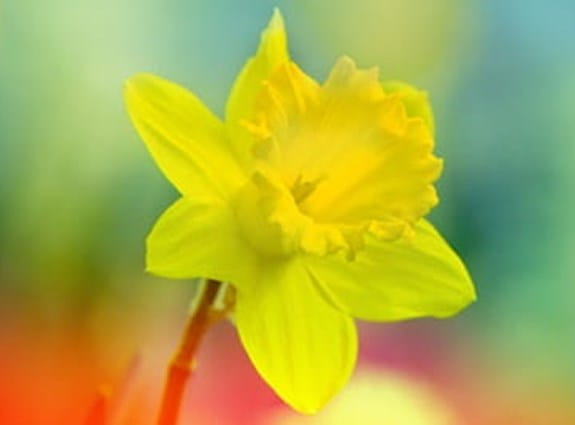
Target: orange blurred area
x: 48, y: 378
x: 60, y: 376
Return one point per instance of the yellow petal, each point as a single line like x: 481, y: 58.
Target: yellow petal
x: 186, y: 140
x: 271, y: 53
x: 193, y: 239
x: 303, y: 347
x: 415, y: 101
x: 398, y: 280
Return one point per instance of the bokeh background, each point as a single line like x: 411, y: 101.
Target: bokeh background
x: 78, y: 193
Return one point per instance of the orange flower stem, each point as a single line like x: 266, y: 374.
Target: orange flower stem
x: 182, y: 364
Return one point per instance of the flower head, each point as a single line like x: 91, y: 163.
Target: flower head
x: 309, y: 199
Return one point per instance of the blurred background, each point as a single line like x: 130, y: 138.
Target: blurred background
x: 78, y: 193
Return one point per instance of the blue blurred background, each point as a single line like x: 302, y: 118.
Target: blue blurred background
x: 78, y: 194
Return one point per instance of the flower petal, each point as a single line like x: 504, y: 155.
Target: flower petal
x: 415, y: 101
x: 398, y: 280
x: 199, y: 239
x: 303, y: 347
x: 271, y: 53
x: 186, y: 140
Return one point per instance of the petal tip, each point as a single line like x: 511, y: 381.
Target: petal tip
x: 134, y: 84
x: 277, y: 20
x: 467, y: 297
x: 136, y: 79
x: 346, y: 62
x: 275, y: 27
x: 471, y: 296
x: 308, y: 406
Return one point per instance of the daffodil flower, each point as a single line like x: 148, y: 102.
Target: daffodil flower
x: 309, y: 199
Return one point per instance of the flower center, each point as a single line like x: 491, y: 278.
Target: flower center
x: 301, y: 189
x: 271, y: 219
x: 334, y: 164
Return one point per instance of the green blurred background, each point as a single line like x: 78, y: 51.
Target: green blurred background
x: 78, y: 193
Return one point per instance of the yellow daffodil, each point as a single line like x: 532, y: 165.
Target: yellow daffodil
x: 309, y: 199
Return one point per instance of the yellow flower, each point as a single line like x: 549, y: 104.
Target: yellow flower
x: 309, y: 199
